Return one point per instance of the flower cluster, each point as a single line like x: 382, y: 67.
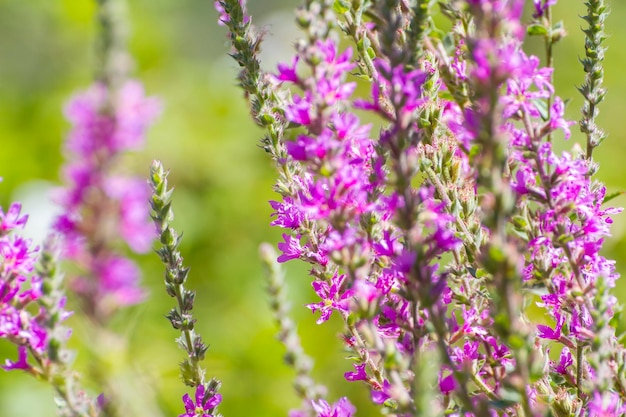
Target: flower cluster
x: 20, y: 288
x: 431, y: 237
x: 100, y: 204
x: 461, y: 251
x: 32, y: 310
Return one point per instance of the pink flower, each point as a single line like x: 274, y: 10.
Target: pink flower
x: 135, y: 225
x: 359, y: 375
x: 447, y: 384
x: 291, y: 248
x: 101, y: 208
x: 606, y: 404
x: 333, y: 296
x: 381, y: 395
x: 119, y: 278
x: 541, y: 6
x: 546, y: 332
x: 12, y: 218
x: 21, y: 363
x: 202, y: 406
x: 342, y: 408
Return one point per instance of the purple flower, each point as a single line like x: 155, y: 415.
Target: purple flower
x: 287, y: 214
x: 379, y: 396
x: 12, y: 218
x: 387, y: 245
x: 605, y: 404
x: 342, y: 408
x: 447, y: 384
x: 202, y: 406
x: 100, y: 207
x: 333, y: 296
x: 541, y: 6
x: 95, y: 131
x: 21, y: 363
x: 300, y: 110
x: 291, y: 248
x: 557, y: 115
x: 403, y: 89
x: 359, y: 375
x: 288, y: 73
x: 565, y: 361
x: 546, y: 332
x: 134, y: 214
x: 308, y: 148
x: 17, y: 256
x: 119, y: 279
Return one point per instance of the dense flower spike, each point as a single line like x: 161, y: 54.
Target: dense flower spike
x: 19, y: 289
x: 32, y: 310
x: 101, y: 205
x: 431, y: 237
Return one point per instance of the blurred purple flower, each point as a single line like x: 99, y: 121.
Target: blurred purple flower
x: 342, y: 408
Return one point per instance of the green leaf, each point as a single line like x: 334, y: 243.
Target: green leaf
x: 542, y: 107
x: 520, y: 222
x: 481, y: 273
x: 536, y: 30
x: 611, y: 196
x: 340, y: 6
x: 418, y: 179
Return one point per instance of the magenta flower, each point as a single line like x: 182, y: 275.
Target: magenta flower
x: 557, y: 117
x: 12, y: 218
x: 95, y: 131
x: 202, y: 406
x: 299, y: 110
x: 606, y: 404
x: 333, y: 296
x: 379, y: 396
x: 119, y: 280
x: 541, y: 6
x: 134, y: 214
x: 100, y: 206
x: 359, y: 375
x: 24, y: 320
x: 342, y: 408
x: 565, y: 361
x: 546, y: 332
x: 291, y: 248
x: 21, y: 362
x: 447, y: 384
x: 288, y: 72
x: 287, y: 214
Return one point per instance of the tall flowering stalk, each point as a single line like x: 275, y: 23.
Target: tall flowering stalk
x: 181, y: 317
x: 104, y: 209
x: 431, y: 238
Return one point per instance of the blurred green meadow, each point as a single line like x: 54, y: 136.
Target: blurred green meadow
x: 223, y: 181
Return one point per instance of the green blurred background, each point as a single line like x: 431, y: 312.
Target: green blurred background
x: 223, y: 181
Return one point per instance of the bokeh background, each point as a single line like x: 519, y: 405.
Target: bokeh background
x: 223, y: 181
